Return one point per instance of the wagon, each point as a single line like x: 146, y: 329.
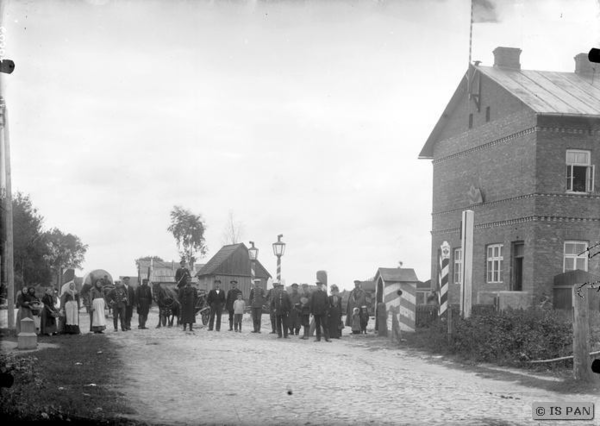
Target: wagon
x: 202, y: 307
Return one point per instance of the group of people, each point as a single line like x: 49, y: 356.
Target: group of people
x: 289, y: 312
x: 50, y: 317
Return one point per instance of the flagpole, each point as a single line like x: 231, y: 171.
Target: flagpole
x: 470, y: 49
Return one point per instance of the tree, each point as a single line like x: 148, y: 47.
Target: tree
x: 64, y: 251
x: 29, y: 246
x: 233, y: 232
x: 188, y: 230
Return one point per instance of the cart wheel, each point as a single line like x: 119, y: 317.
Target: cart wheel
x: 205, y: 317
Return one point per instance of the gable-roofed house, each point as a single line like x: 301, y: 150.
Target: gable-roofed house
x: 231, y: 262
x: 519, y: 148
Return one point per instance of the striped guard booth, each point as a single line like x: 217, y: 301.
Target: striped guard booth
x: 406, y: 304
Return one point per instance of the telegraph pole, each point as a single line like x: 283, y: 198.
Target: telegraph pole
x: 6, y: 67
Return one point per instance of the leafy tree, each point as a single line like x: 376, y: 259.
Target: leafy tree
x: 233, y: 232
x: 29, y: 246
x: 64, y: 251
x: 188, y: 230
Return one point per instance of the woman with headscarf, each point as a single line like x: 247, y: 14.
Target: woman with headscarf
x: 334, y: 317
x: 69, y: 302
x: 97, y: 308
x: 49, y: 313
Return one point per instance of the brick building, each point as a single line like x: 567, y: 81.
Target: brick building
x: 519, y: 148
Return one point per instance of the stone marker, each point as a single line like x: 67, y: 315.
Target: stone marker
x: 27, y: 337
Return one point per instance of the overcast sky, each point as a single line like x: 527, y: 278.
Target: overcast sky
x: 302, y: 118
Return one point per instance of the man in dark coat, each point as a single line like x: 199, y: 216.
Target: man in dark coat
x: 143, y: 299
x: 257, y: 300
x: 181, y: 274
x: 130, y: 302
x: 294, y: 318
x: 232, y: 295
x: 117, y: 300
x: 357, y: 298
x: 188, y: 296
x: 272, y: 316
x: 281, y: 306
x: 216, y: 300
x: 319, y: 306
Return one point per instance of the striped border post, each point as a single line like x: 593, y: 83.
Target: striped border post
x: 444, y: 267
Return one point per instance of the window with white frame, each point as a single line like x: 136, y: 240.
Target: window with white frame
x: 458, y: 265
x: 575, y: 256
x: 494, y: 263
x: 580, y: 171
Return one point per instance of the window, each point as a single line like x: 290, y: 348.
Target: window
x: 575, y: 256
x: 494, y: 263
x: 487, y: 114
x: 470, y: 121
x: 580, y: 171
x: 457, y: 265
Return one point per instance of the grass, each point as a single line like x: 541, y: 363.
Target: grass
x: 554, y: 377
x: 76, y: 382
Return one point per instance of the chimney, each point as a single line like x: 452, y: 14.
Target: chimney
x: 583, y: 65
x: 507, y: 57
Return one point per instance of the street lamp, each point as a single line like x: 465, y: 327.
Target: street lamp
x: 278, y: 250
x: 253, y: 254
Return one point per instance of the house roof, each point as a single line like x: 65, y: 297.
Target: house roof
x: 397, y: 274
x: 544, y: 92
x: 216, y: 264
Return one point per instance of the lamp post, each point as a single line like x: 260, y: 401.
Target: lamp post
x: 253, y: 254
x: 278, y: 250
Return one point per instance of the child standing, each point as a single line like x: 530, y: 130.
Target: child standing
x: 364, y: 319
x: 355, y: 321
x: 238, y: 312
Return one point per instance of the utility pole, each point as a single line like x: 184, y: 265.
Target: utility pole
x: 6, y: 67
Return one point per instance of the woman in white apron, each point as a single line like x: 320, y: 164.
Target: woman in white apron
x: 69, y: 302
x: 98, y: 305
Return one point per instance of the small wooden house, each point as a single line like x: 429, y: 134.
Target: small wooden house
x: 161, y: 272
x: 397, y: 288
x: 232, y: 262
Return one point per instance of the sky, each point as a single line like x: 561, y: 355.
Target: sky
x: 303, y: 118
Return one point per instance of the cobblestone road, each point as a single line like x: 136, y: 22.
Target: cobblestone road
x: 206, y: 377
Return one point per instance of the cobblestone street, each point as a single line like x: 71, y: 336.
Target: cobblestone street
x: 176, y: 377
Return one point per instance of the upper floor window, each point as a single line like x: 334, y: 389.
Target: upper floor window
x: 470, y: 121
x: 580, y: 171
x: 487, y: 114
x: 494, y: 263
x: 575, y: 256
x: 457, y: 265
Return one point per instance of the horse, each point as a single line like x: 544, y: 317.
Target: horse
x: 168, y: 304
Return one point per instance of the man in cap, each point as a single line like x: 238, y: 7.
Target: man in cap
x: 319, y: 307
x: 280, y: 307
x: 216, y: 300
x: 181, y: 274
x: 232, y: 296
x: 305, y: 310
x: 272, y: 315
x: 294, y: 318
x: 143, y: 299
x: 257, y: 300
x: 356, y: 299
x: 130, y: 302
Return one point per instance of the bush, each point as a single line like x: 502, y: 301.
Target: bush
x: 505, y: 337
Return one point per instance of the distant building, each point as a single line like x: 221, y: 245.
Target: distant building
x: 231, y: 262
x: 520, y: 149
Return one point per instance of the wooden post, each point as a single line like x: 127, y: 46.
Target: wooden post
x: 449, y: 311
x: 581, y: 338
x: 381, y: 320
